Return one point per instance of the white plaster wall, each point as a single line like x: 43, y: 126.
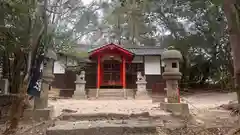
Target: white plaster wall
x: 152, y: 65
x: 58, y: 67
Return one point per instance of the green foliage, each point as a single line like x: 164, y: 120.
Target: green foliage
x: 200, y: 36
x: 217, y: 2
x: 129, y: 21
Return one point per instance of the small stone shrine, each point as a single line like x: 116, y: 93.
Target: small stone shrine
x: 172, y: 75
x: 141, y: 87
x: 80, y: 82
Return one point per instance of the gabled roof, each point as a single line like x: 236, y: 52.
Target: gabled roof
x: 111, y: 48
x: 111, y: 44
x: 138, y: 50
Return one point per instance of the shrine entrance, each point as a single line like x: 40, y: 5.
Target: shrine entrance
x: 111, y: 74
x: 111, y: 65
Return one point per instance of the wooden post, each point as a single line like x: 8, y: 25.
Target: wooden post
x: 121, y: 72
x: 98, y: 72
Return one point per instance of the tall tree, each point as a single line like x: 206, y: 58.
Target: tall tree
x: 232, y: 12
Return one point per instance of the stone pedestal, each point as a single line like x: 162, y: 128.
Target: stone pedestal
x: 177, y: 109
x: 39, y: 114
x: 80, y: 92
x: 172, y: 91
x: 141, y: 92
x: 42, y: 101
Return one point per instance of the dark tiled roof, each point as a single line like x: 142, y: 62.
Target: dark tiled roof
x: 139, y: 50
x: 146, y: 50
x: 136, y: 50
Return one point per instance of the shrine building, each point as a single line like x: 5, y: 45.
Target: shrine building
x: 113, y: 66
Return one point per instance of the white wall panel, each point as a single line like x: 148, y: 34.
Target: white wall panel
x: 152, y: 65
x: 58, y: 68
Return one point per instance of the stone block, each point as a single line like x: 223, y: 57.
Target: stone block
x: 141, y: 92
x: 38, y: 114
x: 80, y: 92
x: 178, y: 109
x: 142, y: 95
x: 141, y: 86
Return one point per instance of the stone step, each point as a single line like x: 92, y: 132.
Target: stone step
x: 113, y: 92
x: 106, y: 127
x: 106, y: 92
x: 110, y: 98
x: 114, y: 116
x: 109, y: 94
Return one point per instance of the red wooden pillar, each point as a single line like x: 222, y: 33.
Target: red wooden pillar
x: 121, y: 72
x: 124, y: 72
x: 98, y: 72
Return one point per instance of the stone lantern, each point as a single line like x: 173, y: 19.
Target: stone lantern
x: 171, y: 74
x: 41, y: 109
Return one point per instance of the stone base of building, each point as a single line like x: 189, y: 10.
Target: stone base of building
x: 38, y: 114
x: 178, y: 109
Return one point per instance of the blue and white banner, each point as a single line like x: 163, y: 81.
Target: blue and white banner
x: 34, y: 88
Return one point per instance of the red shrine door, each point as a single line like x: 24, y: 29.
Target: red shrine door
x: 111, y: 73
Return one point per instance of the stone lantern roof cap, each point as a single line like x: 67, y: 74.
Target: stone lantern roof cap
x: 172, y: 54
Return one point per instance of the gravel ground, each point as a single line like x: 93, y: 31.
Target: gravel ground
x: 196, y: 103
x: 203, y: 105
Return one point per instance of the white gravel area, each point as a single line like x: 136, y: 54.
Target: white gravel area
x: 198, y: 101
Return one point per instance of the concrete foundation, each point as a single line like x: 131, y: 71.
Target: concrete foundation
x: 177, y: 109
x: 38, y: 114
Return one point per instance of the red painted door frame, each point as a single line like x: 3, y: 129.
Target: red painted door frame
x: 100, y: 73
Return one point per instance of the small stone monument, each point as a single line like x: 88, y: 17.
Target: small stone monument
x: 141, y: 87
x: 80, y: 82
x: 172, y: 75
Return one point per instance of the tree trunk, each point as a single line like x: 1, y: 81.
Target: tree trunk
x: 234, y: 34
x: 18, y: 88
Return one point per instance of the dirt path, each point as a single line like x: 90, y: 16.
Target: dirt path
x: 196, y: 103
